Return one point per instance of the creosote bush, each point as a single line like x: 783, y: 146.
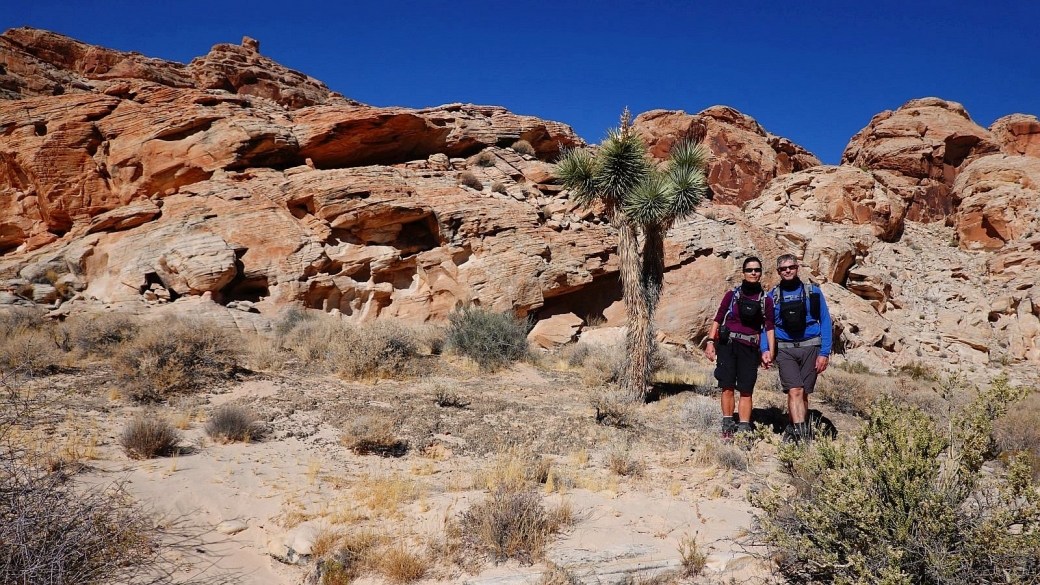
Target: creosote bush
x: 103, y: 334
x: 145, y: 437
x: 174, y: 356
x: 379, y: 349
x: 523, y: 147
x: 231, y: 423
x: 492, y: 340
x: 470, y: 180
x: 907, y: 501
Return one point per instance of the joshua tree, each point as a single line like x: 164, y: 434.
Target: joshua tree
x: 640, y: 198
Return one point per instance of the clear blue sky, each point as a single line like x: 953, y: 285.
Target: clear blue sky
x: 813, y: 71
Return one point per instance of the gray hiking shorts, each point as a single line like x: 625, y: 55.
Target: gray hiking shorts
x: 797, y: 367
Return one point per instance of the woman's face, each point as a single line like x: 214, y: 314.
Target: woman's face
x: 753, y: 272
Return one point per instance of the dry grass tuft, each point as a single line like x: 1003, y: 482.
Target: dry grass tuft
x: 851, y: 393
x: 231, y: 423
x: 146, y: 437
x: 374, y: 435
x: 523, y: 147
x: 614, y: 407
x: 381, y: 349
x: 103, y: 334
x: 470, y: 180
x: 400, y: 565
x: 621, y: 462
x: 508, y: 526
x: 515, y: 469
x: 692, y: 558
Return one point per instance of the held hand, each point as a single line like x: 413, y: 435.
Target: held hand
x: 767, y: 359
x: 709, y: 351
x: 821, y: 364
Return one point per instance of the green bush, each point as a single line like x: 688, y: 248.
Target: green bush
x: 907, y: 501
x: 492, y: 340
x: 174, y: 356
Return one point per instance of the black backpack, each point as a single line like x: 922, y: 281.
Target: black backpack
x: 749, y: 311
x: 793, y: 311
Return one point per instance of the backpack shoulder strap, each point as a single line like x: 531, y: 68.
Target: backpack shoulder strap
x: 733, y: 301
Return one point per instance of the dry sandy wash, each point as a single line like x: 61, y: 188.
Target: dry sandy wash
x: 249, y: 512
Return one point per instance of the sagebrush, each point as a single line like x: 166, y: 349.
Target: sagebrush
x: 492, y: 340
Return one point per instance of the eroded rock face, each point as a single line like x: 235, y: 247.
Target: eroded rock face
x: 745, y: 156
x: 997, y: 201
x: 918, y: 150
x: 1017, y: 134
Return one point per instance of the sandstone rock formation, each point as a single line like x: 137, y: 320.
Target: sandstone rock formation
x: 1017, y: 134
x: 917, y: 151
x: 233, y: 187
x: 746, y: 157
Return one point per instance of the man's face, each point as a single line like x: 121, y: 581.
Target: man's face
x: 788, y: 269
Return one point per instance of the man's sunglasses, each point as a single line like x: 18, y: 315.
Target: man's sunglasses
x: 787, y: 268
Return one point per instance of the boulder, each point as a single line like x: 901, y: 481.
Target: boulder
x: 744, y: 156
x: 917, y: 151
x: 1017, y: 134
x: 997, y: 201
x: 552, y: 332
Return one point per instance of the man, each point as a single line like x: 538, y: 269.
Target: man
x: 803, y: 341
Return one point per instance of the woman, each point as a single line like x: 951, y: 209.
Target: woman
x: 745, y: 314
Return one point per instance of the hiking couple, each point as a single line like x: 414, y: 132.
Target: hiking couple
x: 789, y: 326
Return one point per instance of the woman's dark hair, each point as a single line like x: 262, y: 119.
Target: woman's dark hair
x: 749, y: 260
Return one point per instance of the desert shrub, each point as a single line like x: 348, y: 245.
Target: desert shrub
x: 373, y: 435
x: 701, y: 414
x: 446, y: 398
x: 907, y: 501
x: 850, y: 393
x: 613, y: 407
x: 102, y: 334
x: 290, y: 318
x: 145, y: 437
x: 1019, y: 432
x: 508, y: 525
x: 484, y: 159
x: 557, y: 575
x: 492, y: 340
x: 30, y: 352
x: 692, y: 557
x: 621, y: 461
x: 175, y: 355
x: 854, y: 367
x: 600, y: 365
x: 499, y: 187
x: 523, y: 147
x: 14, y: 319
x: 233, y: 422
x: 917, y: 371
x: 55, y: 531
x: 382, y: 348
x: 470, y: 180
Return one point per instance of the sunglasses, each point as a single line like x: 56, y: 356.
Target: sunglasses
x: 788, y: 268
x: 752, y: 271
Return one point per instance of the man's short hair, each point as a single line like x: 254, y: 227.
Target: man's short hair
x: 785, y: 257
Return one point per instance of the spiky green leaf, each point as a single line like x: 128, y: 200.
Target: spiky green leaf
x: 650, y: 202
x: 621, y: 164
x: 689, y: 154
x: 689, y: 187
x: 576, y: 170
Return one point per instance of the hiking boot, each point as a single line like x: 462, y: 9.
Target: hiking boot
x: 743, y: 427
x: 729, y: 428
x: 791, y: 435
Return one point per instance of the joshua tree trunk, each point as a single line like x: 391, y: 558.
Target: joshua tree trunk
x: 637, y: 369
